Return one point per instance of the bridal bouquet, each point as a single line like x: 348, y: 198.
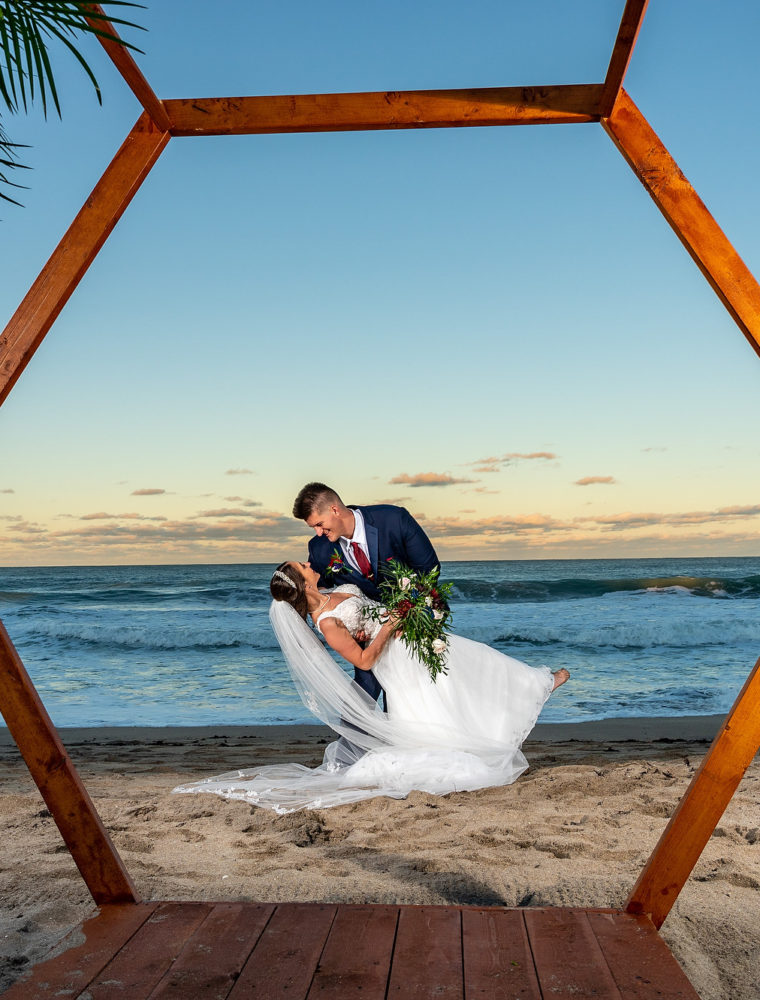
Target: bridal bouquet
x: 420, y: 603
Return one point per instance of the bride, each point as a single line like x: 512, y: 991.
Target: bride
x: 460, y: 732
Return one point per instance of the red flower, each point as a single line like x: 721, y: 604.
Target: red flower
x: 403, y: 608
x: 336, y: 564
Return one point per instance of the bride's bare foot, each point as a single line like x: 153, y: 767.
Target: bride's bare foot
x: 560, y: 676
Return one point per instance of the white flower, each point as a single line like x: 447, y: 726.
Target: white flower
x: 439, y: 646
x: 437, y: 615
x: 429, y: 601
x: 405, y: 583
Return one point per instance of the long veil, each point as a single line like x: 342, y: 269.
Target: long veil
x: 326, y: 690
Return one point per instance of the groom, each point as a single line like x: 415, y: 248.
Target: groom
x: 352, y: 545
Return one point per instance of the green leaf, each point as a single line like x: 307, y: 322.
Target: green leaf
x: 45, y: 69
x: 25, y: 28
x: 28, y: 54
x: 4, y: 92
x: 80, y: 58
x: 9, y: 60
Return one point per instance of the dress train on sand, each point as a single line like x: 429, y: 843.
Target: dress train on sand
x: 461, y: 732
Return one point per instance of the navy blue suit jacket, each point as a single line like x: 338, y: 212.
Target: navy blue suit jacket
x: 392, y: 533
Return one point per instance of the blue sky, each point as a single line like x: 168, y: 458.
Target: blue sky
x: 501, y: 312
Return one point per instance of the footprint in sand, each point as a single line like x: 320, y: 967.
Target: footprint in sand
x: 138, y: 845
x: 144, y: 811
x: 192, y: 836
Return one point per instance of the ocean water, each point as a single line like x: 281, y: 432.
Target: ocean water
x: 192, y: 645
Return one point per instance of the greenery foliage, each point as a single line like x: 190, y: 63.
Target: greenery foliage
x: 420, y: 603
x: 27, y: 27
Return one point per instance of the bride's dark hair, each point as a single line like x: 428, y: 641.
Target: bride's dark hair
x: 292, y: 592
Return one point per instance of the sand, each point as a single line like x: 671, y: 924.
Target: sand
x: 574, y: 830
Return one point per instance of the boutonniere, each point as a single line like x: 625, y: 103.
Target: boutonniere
x: 337, y: 564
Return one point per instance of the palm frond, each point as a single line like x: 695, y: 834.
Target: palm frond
x: 26, y: 28
x: 9, y: 160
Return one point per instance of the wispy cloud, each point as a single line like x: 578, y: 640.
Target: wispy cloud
x: 428, y: 479
x: 226, y: 512
x: 244, y: 501
x: 28, y: 528
x: 101, y: 515
x: 499, y: 526
x: 596, y: 481
x: 627, y: 520
x: 147, y: 493
x: 239, y: 472
x: 655, y: 448
x: 495, y: 463
x: 242, y: 533
x: 259, y: 533
x: 7, y: 491
x: 491, y: 464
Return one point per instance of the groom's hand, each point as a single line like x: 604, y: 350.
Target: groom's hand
x: 361, y: 637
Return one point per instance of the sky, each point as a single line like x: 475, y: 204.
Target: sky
x: 493, y: 327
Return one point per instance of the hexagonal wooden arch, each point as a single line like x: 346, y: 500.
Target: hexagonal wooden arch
x: 607, y: 103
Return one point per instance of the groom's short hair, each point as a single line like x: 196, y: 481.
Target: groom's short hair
x: 314, y: 497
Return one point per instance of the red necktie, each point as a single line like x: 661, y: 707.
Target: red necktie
x: 361, y: 560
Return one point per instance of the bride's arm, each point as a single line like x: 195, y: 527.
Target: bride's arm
x: 341, y: 640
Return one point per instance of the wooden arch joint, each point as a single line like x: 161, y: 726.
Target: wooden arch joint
x: 687, y: 215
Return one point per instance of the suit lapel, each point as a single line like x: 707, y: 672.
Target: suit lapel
x: 372, y: 545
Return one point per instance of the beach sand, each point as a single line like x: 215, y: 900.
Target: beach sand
x: 574, y: 830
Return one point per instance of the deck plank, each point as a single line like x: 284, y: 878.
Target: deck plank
x: 285, y: 957
x: 73, y: 970
x: 569, y: 960
x: 427, y: 959
x: 318, y: 951
x: 357, y: 955
x: 137, y: 968
x: 210, y: 963
x: 641, y: 963
x: 498, y: 964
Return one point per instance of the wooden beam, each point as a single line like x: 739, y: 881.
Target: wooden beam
x: 628, y: 32
x: 703, y: 238
x: 394, y: 109
x: 59, y: 783
x: 130, y: 71
x: 701, y: 807
x: 77, y: 250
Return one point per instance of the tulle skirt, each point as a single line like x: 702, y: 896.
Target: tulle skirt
x: 462, y: 732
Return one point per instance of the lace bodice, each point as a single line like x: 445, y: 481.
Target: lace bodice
x: 352, y: 611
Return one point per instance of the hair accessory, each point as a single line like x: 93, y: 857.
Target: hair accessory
x: 279, y: 575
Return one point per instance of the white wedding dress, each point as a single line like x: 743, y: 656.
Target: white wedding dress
x: 460, y: 732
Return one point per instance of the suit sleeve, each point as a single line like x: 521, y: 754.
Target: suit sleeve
x: 318, y: 563
x: 420, y: 554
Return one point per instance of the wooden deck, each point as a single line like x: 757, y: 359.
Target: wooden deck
x: 328, y: 951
